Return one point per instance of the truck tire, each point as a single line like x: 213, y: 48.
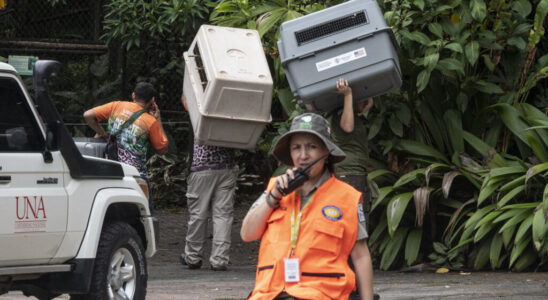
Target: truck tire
x: 120, y: 266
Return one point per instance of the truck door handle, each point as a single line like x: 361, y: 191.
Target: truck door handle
x: 5, y: 179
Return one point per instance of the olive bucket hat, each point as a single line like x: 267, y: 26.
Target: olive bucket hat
x: 307, y: 123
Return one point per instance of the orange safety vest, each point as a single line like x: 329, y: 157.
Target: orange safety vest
x: 328, y: 231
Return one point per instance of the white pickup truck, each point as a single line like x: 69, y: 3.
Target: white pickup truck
x: 69, y: 223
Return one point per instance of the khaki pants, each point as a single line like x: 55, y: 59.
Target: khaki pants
x: 210, y: 190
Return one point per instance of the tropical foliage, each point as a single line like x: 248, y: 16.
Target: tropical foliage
x: 467, y: 134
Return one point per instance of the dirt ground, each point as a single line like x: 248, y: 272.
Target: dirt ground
x: 173, y: 228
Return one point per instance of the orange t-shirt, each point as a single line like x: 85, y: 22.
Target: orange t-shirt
x: 134, y: 140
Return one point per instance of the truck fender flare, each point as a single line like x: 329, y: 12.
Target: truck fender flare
x: 103, y: 200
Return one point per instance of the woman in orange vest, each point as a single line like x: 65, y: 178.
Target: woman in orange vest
x: 308, y: 234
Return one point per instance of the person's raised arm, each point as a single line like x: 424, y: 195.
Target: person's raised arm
x: 91, y: 120
x: 361, y: 258
x: 347, y: 117
x: 254, y: 223
x: 155, y: 112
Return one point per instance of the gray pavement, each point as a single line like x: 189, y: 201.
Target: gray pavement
x: 238, y: 282
x: 176, y: 282
x: 170, y: 280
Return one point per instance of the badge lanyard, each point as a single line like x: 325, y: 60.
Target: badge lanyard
x: 291, y: 264
x: 296, y: 224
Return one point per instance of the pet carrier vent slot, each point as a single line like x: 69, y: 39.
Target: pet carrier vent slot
x: 200, y: 67
x: 331, y: 27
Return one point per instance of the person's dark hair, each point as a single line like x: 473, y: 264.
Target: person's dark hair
x: 144, y: 91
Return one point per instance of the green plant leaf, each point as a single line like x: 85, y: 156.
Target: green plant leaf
x: 395, y: 125
x: 511, y: 118
x: 404, y: 114
x: 523, y: 228
x: 419, y: 37
x: 507, y: 215
x: 488, y: 218
x: 487, y: 190
x: 461, y: 244
x: 436, y: 29
x: 488, y: 62
x: 419, y: 4
x: 472, y: 221
x: 504, y: 171
x: 482, y: 231
x: 494, y: 251
x: 393, y: 248
x: 418, y: 148
x: 517, y: 42
x: 518, y: 249
x: 422, y: 80
x: 518, y: 218
x: 434, y: 126
x: 522, y: 205
x: 431, y: 60
x: 534, y: 170
x: 375, y: 127
x: 455, y: 47
x: 538, y: 147
x: 412, y: 246
x: 514, y: 183
x: 380, y: 229
x: 395, y: 209
x: 478, y: 215
x: 380, y: 172
x: 482, y: 257
x: 522, y: 7
x: 440, y: 248
x: 508, y: 236
x: 383, y: 192
x: 452, y: 65
x: 510, y: 195
x: 540, y: 229
x: 484, y: 149
x: 545, y: 200
x: 471, y: 51
x: 488, y: 87
x: 268, y: 23
x: 525, y: 260
x: 286, y: 100
x: 408, y: 177
x: 478, y: 10
x: 454, y: 126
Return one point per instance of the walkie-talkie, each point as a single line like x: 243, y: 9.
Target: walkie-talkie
x: 301, y: 175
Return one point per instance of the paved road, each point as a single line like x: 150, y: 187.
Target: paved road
x: 238, y: 282
x: 176, y: 282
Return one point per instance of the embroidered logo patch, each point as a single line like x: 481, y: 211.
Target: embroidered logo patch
x: 332, y: 213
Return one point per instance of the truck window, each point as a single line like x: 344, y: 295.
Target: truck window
x: 19, y: 131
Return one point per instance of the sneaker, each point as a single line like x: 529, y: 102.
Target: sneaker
x: 190, y: 266
x: 218, y: 268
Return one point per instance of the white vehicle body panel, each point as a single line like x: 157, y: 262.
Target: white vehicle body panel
x: 33, y: 215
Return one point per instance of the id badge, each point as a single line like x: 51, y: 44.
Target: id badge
x: 291, y: 268
x: 361, y: 215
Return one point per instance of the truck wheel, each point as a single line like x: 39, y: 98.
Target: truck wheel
x: 120, y: 266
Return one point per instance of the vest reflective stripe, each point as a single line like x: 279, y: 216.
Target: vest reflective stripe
x: 329, y: 228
